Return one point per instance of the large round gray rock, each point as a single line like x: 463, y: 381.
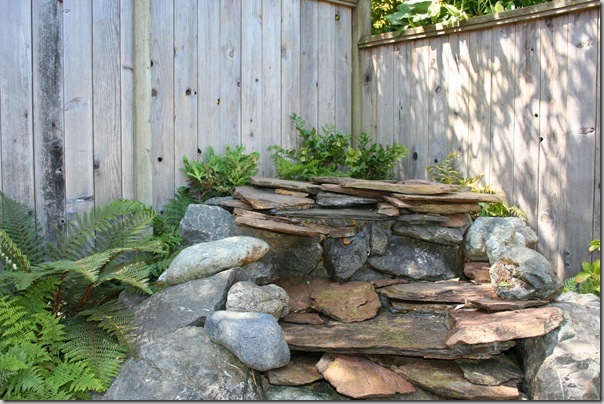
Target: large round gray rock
x: 205, y: 259
x: 184, y: 365
x: 489, y: 237
x: 564, y: 364
x: 203, y: 223
x: 246, y: 296
x: 522, y: 273
x: 255, y: 338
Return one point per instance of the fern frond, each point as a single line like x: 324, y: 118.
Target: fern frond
x: 134, y: 274
x: 90, y: 233
x: 20, y: 223
x: 11, y: 255
x: 91, y: 344
x: 114, y: 318
x: 72, y: 377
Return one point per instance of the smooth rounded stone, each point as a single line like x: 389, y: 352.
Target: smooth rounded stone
x: 417, y: 260
x: 246, y: 296
x: 255, y: 338
x: 522, y: 273
x: 205, y: 259
x: 291, y: 393
x: 434, y: 233
x: 343, y: 257
x: 202, y: 223
x: 564, y: 364
x: 294, y: 255
x: 489, y: 237
x: 184, y: 365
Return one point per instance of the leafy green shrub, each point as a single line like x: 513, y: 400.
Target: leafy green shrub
x: 415, y: 13
x: 332, y: 154
x: 588, y: 280
x: 219, y: 175
x: 447, y: 172
x: 70, y: 287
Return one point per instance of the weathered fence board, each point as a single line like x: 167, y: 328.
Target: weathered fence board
x: 518, y: 100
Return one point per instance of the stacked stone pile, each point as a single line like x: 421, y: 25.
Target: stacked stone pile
x: 347, y: 289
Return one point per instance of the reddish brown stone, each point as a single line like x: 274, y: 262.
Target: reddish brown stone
x: 359, y: 377
x: 304, y: 318
x: 347, y: 302
x: 299, y: 289
x: 299, y: 371
x: 477, y: 271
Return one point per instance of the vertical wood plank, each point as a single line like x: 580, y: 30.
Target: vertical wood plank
x: 49, y: 131
x: 77, y: 84
x: 479, y: 101
x: 553, y: 124
x: 131, y: 173
x: 230, y: 76
x: 343, y: 68
x: 502, y: 109
x: 209, y: 74
x: 291, y: 70
x: 251, y: 77
x: 581, y: 144
x: 309, y: 80
x: 419, y: 96
x: 271, y: 82
x: 185, y: 85
x: 384, y: 97
x: 106, y: 101
x: 361, y: 26
x: 455, y: 61
x: 402, y: 105
x: 596, y: 233
x: 369, y: 65
x: 16, y: 109
x: 437, y: 102
x: 162, y: 107
x: 326, y: 65
x: 526, y: 121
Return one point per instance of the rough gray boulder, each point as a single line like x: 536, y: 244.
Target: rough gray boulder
x: 203, y: 223
x: 246, y: 296
x: 522, y: 274
x: 434, y: 233
x: 205, y: 259
x: 187, y: 304
x: 489, y: 237
x: 184, y: 365
x: 290, y: 393
x: 417, y: 260
x: 342, y: 259
x: 565, y: 363
x: 255, y: 338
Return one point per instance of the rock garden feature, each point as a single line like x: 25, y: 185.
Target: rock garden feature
x: 360, y: 290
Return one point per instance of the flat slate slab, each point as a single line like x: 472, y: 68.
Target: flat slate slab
x: 439, y: 292
x: 405, y: 188
x: 491, y: 305
x: 351, y: 191
x: 326, y: 213
x: 260, y: 199
x: 390, y: 334
x: 475, y: 327
x: 456, y: 197
x: 301, y: 186
x: 445, y: 208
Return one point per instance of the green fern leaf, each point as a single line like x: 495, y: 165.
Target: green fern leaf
x: 116, y: 320
x: 11, y: 255
x: 20, y: 223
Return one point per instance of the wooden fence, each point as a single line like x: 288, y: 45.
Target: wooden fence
x: 516, y: 97
x: 101, y: 99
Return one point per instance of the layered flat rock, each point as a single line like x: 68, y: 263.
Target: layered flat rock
x: 326, y: 213
x: 445, y: 208
x: 304, y: 318
x: 260, y: 199
x: 366, y: 193
x: 418, y: 218
x: 428, y: 188
x: 478, y: 271
x: 360, y: 378
x: 299, y: 290
x: 387, y: 334
x: 457, y: 197
x: 347, y: 302
x: 439, y: 292
x: 266, y: 222
x: 446, y: 379
x: 300, y: 186
x: 497, y: 371
x: 300, y: 370
x: 491, y: 305
x: 388, y: 209
x: 475, y: 327
x: 342, y: 201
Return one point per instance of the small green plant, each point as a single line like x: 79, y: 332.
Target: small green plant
x: 588, y: 280
x: 332, y: 153
x: 219, y: 175
x: 447, y: 172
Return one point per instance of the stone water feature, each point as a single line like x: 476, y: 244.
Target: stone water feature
x: 352, y: 289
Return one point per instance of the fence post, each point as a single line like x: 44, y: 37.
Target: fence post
x: 361, y: 27
x: 143, y: 169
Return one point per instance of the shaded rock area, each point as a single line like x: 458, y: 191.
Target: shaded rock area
x: 367, y: 290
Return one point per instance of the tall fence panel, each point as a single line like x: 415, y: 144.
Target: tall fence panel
x: 223, y: 72
x: 517, y: 98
